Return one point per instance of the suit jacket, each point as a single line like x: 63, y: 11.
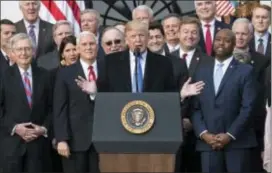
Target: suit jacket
x: 73, y: 109
x: 230, y: 110
x: 158, y: 76
x: 268, y: 85
x: 198, y: 58
x: 49, y: 61
x: 45, y: 37
x: 268, y: 46
x: 4, y: 64
x: 259, y: 63
x: 14, y: 109
x: 218, y: 26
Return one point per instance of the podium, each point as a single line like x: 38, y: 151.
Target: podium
x: 121, y: 150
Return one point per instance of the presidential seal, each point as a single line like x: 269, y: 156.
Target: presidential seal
x: 137, y: 117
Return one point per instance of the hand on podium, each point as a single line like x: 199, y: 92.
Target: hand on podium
x: 188, y: 89
x: 88, y: 87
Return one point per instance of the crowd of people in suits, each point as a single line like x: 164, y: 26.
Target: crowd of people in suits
x: 49, y: 79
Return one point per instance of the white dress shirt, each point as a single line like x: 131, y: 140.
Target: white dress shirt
x: 204, y: 28
x: 36, y: 29
x: 85, y: 67
x: 224, y: 68
x: 172, y: 48
x: 189, y: 56
x: 132, y: 65
x: 265, y: 40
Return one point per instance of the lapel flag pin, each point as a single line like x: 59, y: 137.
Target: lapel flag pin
x: 197, y: 58
x: 252, y: 62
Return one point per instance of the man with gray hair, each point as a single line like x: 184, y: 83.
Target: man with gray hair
x: 243, y: 30
x: 38, y: 29
x: 25, y: 111
x: 90, y: 21
x: 73, y: 109
x: 51, y: 60
x: 143, y: 13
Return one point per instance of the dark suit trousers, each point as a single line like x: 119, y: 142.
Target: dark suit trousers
x: 236, y: 160
x: 187, y: 158
x: 29, y: 162
x: 86, y: 161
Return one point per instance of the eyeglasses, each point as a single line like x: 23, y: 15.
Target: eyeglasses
x: 109, y: 43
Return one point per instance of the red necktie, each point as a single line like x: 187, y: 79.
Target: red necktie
x: 184, y: 56
x: 208, y: 41
x: 91, y: 74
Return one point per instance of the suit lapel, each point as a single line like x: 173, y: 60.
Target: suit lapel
x: 41, y: 36
x: 36, y: 81
x: 194, y: 62
x: 226, y: 76
x: 125, y: 72
x: 268, y: 47
x: 149, y: 66
x: 22, y: 27
x: 19, y: 85
x: 210, y: 78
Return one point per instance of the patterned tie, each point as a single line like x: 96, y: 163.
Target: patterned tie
x: 28, y: 89
x: 208, y: 41
x: 138, y: 78
x: 260, y: 48
x: 91, y: 75
x: 218, y: 75
x: 32, y: 34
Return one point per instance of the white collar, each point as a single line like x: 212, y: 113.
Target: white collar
x: 211, y: 23
x: 4, y: 53
x: 189, y: 53
x: 265, y: 36
x: 226, y: 62
x: 36, y: 24
x: 86, y: 65
x: 144, y: 54
x: 22, y: 71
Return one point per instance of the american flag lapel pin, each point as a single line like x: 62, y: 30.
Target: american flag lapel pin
x: 197, y: 58
x: 252, y: 62
x: 218, y: 28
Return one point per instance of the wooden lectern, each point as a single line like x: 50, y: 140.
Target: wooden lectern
x: 122, y: 151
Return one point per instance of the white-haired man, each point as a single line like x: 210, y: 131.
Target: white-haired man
x: 39, y: 30
x: 73, y: 109
x: 25, y: 111
x: 90, y: 21
x: 243, y: 30
x: 51, y: 60
x: 143, y: 13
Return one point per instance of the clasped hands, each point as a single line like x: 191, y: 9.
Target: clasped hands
x: 29, y: 131
x: 217, y: 142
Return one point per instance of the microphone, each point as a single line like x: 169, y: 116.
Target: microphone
x: 136, y: 53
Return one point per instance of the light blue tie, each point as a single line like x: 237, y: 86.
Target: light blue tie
x: 138, y: 77
x: 218, y: 75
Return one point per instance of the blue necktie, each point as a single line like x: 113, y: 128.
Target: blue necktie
x: 218, y: 75
x: 138, y: 78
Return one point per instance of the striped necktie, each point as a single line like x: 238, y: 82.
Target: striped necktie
x: 28, y: 89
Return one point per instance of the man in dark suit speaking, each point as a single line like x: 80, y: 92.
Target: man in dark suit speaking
x: 223, y: 111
